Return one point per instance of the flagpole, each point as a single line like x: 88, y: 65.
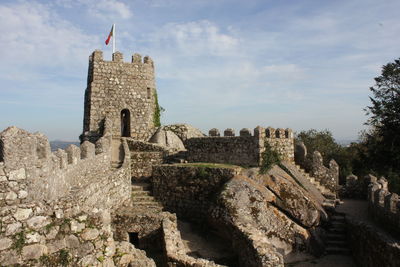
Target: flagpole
x: 113, y: 38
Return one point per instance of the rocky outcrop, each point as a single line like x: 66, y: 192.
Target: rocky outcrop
x: 184, y: 131
x: 292, y: 198
x: 243, y: 204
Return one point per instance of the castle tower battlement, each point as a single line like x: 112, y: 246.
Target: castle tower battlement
x: 124, y: 92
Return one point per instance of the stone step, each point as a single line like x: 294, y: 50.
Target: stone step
x: 141, y: 187
x: 337, y: 250
x: 142, y: 198
x: 337, y: 231
x: 336, y: 243
x: 338, y: 218
x: 141, y: 193
x: 336, y: 237
x: 148, y: 203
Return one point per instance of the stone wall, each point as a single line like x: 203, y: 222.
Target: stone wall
x: 143, y: 157
x: 370, y: 247
x: 81, y: 171
x: 384, y: 206
x: 48, y: 235
x: 245, y: 149
x: 175, y: 250
x: 189, y: 190
x: 114, y: 86
x: 69, y: 229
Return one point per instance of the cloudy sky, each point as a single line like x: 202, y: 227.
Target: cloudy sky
x: 219, y: 63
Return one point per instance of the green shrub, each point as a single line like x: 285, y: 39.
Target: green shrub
x: 270, y: 157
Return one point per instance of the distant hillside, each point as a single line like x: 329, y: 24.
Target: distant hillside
x: 61, y: 144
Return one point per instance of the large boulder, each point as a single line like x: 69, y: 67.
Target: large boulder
x: 249, y: 207
x: 184, y: 131
x: 167, y: 139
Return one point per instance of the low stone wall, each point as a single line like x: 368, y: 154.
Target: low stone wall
x: 240, y: 150
x: 188, y: 190
x: 144, y: 222
x: 143, y: 157
x: 175, y: 250
x: 34, y: 233
x: 383, y: 206
x: 142, y: 163
x: 245, y: 150
x: 371, y: 247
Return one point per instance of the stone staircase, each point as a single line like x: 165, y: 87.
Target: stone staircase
x: 330, y: 198
x: 336, y: 239
x: 142, y: 197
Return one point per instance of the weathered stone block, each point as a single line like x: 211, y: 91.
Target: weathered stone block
x: 229, y: 132
x: 16, y: 175
x: 74, y: 154
x: 90, y: 234
x: 214, y: 132
x: 33, y: 251
x: 63, y: 156
x: 22, y: 214
x: 37, y: 222
x: 245, y: 132
x: 87, y: 150
x: 5, y: 243
x: 117, y: 57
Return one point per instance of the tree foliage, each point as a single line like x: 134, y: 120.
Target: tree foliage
x: 379, y: 149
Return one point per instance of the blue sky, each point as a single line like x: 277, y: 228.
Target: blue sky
x: 219, y: 63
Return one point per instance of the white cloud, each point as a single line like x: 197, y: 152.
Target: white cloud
x: 195, y: 38
x: 100, y: 9
x: 33, y: 35
x: 108, y: 9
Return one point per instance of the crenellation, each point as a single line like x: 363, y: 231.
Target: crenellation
x: 87, y: 150
x: 136, y: 58
x: 270, y: 132
x: 245, y: 132
x: 74, y: 154
x: 280, y: 133
x: 229, y: 132
x: 383, y: 205
x: 118, y: 57
x: 288, y: 133
x: 63, y: 158
x: 390, y: 202
x: 214, y: 132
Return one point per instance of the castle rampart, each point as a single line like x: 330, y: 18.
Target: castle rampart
x: 245, y: 149
x: 383, y: 205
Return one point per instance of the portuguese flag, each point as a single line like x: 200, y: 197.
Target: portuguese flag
x: 110, y: 35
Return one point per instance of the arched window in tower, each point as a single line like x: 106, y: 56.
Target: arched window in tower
x: 125, y: 123
x: 148, y: 93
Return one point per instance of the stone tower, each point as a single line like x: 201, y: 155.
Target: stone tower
x: 124, y: 93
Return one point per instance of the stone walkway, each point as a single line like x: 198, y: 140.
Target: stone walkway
x: 355, y: 208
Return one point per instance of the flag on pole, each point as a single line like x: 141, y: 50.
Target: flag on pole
x: 110, y: 35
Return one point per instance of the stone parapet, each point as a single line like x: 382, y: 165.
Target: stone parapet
x: 384, y: 206
x: 245, y: 149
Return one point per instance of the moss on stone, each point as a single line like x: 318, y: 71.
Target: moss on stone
x: 19, y: 241
x: 157, y: 111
